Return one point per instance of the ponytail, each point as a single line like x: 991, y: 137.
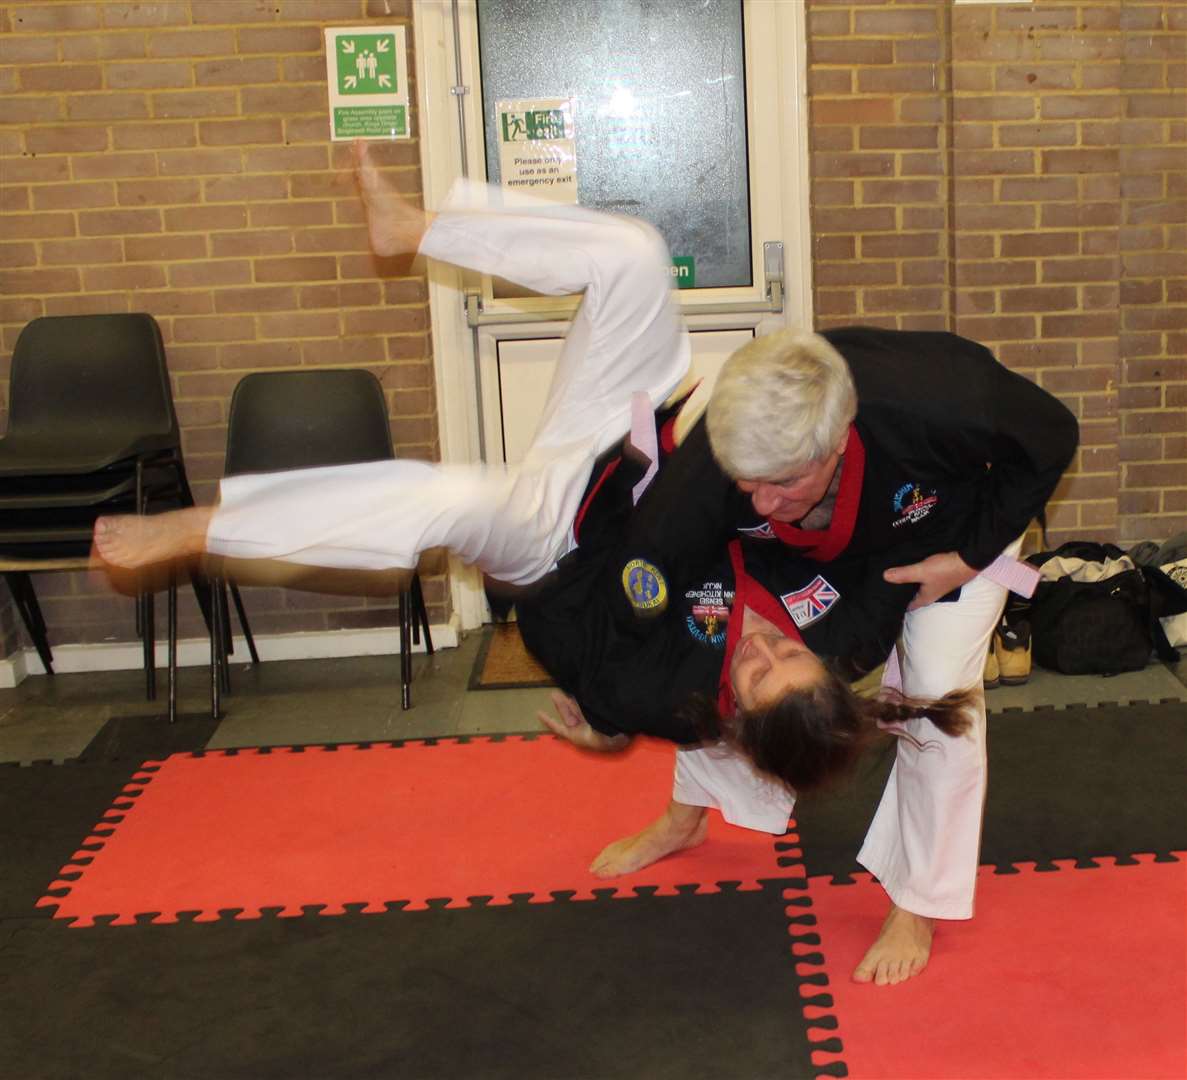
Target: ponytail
x: 813, y: 736
x: 891, y: 709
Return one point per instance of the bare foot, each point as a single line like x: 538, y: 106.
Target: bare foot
x: 395, y: 226
x: 570, y: 724
x: 679, y: 828
x: 130, y: 541
x: 901, y: 951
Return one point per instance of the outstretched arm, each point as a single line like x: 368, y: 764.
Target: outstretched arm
x: 570, y: 724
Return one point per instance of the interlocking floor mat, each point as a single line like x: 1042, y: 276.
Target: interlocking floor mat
x: 139, y: 737
x: 1066, y: 973
x: 285, y: 829
x: 685, y: 986
x: 424, y: 910
x: 1073, y: 783
x: 45, y: 811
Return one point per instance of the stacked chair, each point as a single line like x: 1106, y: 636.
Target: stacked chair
x: 307, y: 419
x: 91, y: 430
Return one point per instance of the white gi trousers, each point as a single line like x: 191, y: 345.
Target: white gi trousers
x: 513, y: 522
x: 925, y: 839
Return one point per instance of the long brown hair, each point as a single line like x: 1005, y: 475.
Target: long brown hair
x: 814, y: 735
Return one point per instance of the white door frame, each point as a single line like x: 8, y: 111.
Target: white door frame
x: 777, y: 126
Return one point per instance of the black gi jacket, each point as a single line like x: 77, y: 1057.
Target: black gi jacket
x: 950, y: 451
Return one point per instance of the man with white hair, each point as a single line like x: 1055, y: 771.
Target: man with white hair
x: 867, y: 444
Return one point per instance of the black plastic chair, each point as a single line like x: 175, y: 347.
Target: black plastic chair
x: 92, y: 430
x: 283, y: 420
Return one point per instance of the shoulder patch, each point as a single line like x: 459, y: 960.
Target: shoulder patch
x: 645, y: 587
x: 807, y: 605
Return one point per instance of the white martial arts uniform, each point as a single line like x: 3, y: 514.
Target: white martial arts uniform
x: 925, y: 839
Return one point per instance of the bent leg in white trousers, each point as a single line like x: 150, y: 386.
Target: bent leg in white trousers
x: 514, y: 523
x: 924, y: 841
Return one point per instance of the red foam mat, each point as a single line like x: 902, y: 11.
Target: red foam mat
x: 389, y: 823
x: 1067, y: 974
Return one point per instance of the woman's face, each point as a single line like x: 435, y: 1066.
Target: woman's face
x: 766, y: 666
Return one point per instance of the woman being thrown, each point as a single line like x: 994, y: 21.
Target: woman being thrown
x: 648, y: 616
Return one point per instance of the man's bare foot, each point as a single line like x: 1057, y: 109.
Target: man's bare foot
x: 395, y: 226
x: 130, y: 541
x: 680, y: 827
x: 901, y: 951
x: 570, y: 724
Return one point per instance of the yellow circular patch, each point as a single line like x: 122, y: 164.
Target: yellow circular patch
x: 645, y: 587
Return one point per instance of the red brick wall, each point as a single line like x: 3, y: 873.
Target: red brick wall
x: 173, y: 157
x: 1012, y: 172
x: 1018, y: 174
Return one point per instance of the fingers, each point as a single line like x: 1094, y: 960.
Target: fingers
x: 903, y: 575
x: 554, y: 725
x: 570, y: 712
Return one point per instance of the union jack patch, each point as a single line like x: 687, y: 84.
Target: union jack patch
x: 807, y: 605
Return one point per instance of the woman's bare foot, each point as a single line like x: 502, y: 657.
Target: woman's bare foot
x: 570, y: 724
x: 901, y: 951
x: 395, y: 225
x: 131, y: 541
x: 680, y: 827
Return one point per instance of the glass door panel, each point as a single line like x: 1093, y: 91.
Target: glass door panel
x: 658, y: 94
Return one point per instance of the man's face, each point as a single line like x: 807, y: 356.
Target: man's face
x: 790, y: 498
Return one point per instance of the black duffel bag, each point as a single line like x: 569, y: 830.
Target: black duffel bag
x: 1099, y: 627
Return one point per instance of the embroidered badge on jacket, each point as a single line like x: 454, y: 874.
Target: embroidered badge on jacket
x: 758, y: 532
x: 709, y: 608
x: 913, y: 504
x: 807, y: 605
x: 645, y: 587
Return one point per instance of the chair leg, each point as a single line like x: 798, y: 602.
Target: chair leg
x: 422, y: 613
x: 172, y: 647
x: 30, y: 612
x: 148, y: 632
x: 228, y: 641
x: 251, y: 641
x: 201, y: 588
x: 217, y: 654
x: 405, y: 652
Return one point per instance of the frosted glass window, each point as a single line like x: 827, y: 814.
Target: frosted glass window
x: 659, y: 97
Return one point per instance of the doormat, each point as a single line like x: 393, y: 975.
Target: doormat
x: 504, y: 663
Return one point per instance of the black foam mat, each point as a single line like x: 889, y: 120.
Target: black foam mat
x: 143, y: 737
x: 1073, y: 783
x: 46, y: 811
x: 680, y: 986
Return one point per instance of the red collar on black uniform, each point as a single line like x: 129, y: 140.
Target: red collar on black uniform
x: 823, y: 545
x: 748, y: 593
